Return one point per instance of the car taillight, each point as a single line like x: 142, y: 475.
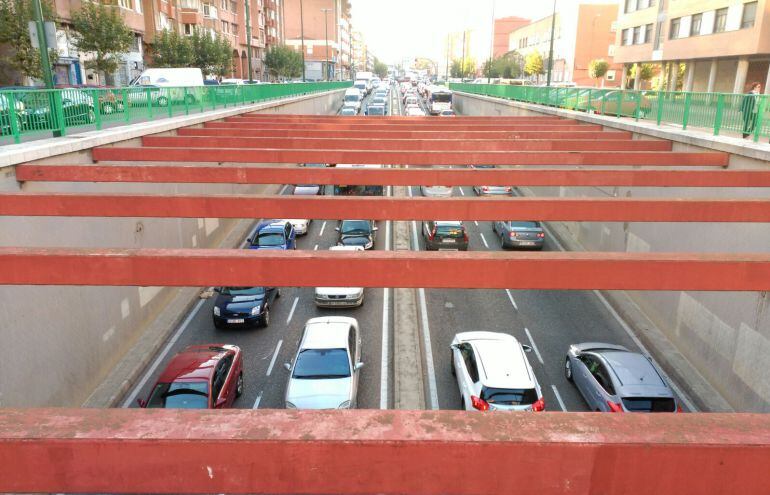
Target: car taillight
x: 432, y: 234
x: 614, y: 407
x: 507, y: 189
x: 484, y: 188
x: 540, y: 235
x: 513, y: 235
x: 539, y: 405
x: 479, y: 403
x: 679, y: 408
x: 465, y: 236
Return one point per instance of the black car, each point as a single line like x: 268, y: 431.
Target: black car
x: 356, y: 233
x: 238, y: 307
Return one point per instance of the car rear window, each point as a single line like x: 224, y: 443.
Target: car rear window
x: 453, y: 231
x: 180, y: 395
x: 526, y: 225
x: 509, y: 396
x: 650, y: 404
x: 270, y: 239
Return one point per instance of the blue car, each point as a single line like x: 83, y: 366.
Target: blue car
x: 273, y: 234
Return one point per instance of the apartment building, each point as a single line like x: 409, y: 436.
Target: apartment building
x: 504, y: 26
x: 362, y: 57
x: 583, y: 32
x: 324, y: 28
x: 722, y: 44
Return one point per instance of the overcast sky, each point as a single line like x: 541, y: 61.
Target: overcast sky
x: 395, y: 29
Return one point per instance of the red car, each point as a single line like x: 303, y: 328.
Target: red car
x: 208, y: 376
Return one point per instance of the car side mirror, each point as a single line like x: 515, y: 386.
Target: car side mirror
x: 337, y: 229
x: 217, y: 289
x: 248, y: 239
x: 526, y: 348
x: 287, y: 366
x: 454, y: 347
x: 375, y: 229
x: 220, y: 403
x: 141, y: 402
x: 358, y: 366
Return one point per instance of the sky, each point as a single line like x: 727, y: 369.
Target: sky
x: 396, y: 29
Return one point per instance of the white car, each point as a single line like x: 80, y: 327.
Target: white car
x: 340, y: 297
x: 307, y: 189
x: 300, y: 225
x: 325, y: 371
x: 436, y: 191
x: 414, y: 112
x: 493, y: 373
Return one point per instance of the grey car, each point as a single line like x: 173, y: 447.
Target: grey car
x: 493, y: 190
x: 444, y: 235
x: 518, y: 234
x: 436, y: 191
x: 613, y: 379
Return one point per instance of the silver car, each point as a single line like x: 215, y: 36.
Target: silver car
x: 493, y: 190
x: 517, y: 234
x: 308, y: 190
x: 325, y: 371
x: 613, y: 379
x: 436, y: 191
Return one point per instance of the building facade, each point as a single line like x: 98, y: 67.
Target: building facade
x: 721, y: 45
x: 504, y: 26
x: 583, y: 32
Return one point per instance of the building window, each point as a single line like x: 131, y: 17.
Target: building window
x: 720, y: 20
x: 225, y: 27
x: 126, y: 4
x: 233, y: 7
x: 638, y: 35
x: 188, y: 29
x: 234, y: 29
x: 697, y: 19
x: 223, y: 4
x: 749, y: 13
x: 673, y: 32
x: 648, y: 33
x: 630, y: 6
x: 626, y: 35
x: 138, y: 7
x: 642, y: 4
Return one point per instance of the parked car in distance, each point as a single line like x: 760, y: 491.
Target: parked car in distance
x: 208, y: 376
x: 613, y: 379
x: 523, y: 234
x: 273, y: 234
x: 308, y: 189
x: 493, y: 190
x: 324, y: 374
x: 356, y: 233
x: 493, y: 373
x: 441, y: 235
x: 436, y: 191
x: 348, y: 111
x: 340, y: 297
x: 243, y: 307
x: 300, y: 225
x: 414, y: 112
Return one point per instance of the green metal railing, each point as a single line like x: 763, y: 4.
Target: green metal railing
x: 29, y: 112
x: 720, y: 112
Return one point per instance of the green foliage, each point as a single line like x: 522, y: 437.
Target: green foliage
x: 646, y: 71
x: 18, y: 54
x: 598, y: 68
x: 100, y: 30
x: 533, y: 64
x: 380, y: 68
x: 171, y: 49
x: 463, y: 68
x: 283, y: 61
x: 507, y: 66
x: 213, y: 56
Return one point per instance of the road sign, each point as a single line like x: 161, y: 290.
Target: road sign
x: 50, y: 34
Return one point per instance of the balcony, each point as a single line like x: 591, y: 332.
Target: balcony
x: 190, y: 5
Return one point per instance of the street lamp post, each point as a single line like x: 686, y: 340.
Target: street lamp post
x: 550, y: 47
x: 248, y: 39
x: 462, y: 61
x: 491, y: 46
x: 302, y: 38
x: 326, y: 35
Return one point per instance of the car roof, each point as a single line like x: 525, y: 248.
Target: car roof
x: 501, y: 358
x: 632, y: 369
x: 195, y: 363
x: 327, y: 332
x: 346, y: 248
x: 448, y: 222
x: 271, y: 224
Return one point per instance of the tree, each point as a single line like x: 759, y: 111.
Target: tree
x: 283, y: 62
x: 646, y: 72
x: 380, y: 68
x: 598, y: 68
x: 507, y: 66
x: 463, y: 68
x: 170, y: 49
x: 533, y: 64
x: 211, y: 55
x: 100, y: 30
x: 19, y: 56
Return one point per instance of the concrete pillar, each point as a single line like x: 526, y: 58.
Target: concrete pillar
x: 689, y: 76
x: 740, y: 75
x: 766, y: 88
x: 673, y: 74
x: 623, y: 77
x: 637, y: 79
x: 712, y: 76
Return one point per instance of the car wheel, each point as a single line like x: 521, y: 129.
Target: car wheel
x: 452, y: 360
x: 190, y: 99
x: 502, y: 241
x: 266, y: 318
x: 277, y: 293
x: 568, y: 369
x: 239, y: 385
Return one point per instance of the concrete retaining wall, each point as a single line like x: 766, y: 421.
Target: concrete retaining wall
x: 58, y: 343
x: 724, y: 335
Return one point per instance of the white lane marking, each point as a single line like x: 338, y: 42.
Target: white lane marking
x: 293, y: 307
x: 256, y: 402
x: 534, y: 346
x: 484, y: 240
x: 476, y: 223
x: 323, y: 226
x: 275, y: 356
x: 558, y: 398
x: 315, y: 248
x: 132, y: 398
x: 677, y: 389
x: 385, y: 353
x: 510, y: 296
x: 462, y: 193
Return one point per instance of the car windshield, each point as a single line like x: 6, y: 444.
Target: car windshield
x: 355, y: 227
x: 317, y: 364
x: 454, y: 231
x: 650, y: 404
x: 525, y: 225
x: 180, y: 395
x: 243, y: 291
x: 376, y: 111
x: 348, y: 111
x: 351, y: 98
x: 270, y: 239
x: 509, y: 396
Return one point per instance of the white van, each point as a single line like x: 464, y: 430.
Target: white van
x: 353, y: 97
x: 170, y: 77
x: 166, y: 85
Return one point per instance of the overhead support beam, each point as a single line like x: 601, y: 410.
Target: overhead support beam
x: 385, y: 144
x: 445, y: 270
x: 392, y: 176
x: 397, y: 118
x: 422, y: 123
x: 545, y: 127
x: 386, y: 452
x: 548, y: 158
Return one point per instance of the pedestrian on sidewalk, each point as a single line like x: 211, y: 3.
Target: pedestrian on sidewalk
x: 749, y: 108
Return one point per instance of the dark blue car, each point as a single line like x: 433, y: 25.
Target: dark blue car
x: 273, y: 234
x: 243, y: 307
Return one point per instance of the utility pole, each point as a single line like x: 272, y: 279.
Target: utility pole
x: 46, y: 63
x: 491, y: 46
x: 248, y: 38
x: 326, y: 35
x: 337, y: 39
x: 302, y: 38
x: 462, y: 61
x: 550, y: 48
x: 446, y: 70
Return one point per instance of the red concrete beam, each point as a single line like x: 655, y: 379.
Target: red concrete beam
x: 384, y: 452
x: 545, y: 127
x: 405, y: 134
x: 408, y: 144
x: 396, y: 118
x: 405, y: 123
x: 555, y: 158
x: 392, y: 176
x: 447, y: 270
x: 385, y: 208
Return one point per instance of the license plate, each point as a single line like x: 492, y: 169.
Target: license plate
x: 449, y: 241
x: 527, y: 243
x: 235, y: 320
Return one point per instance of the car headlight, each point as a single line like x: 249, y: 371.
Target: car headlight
x: 289, y: 405
x: 344, y: 405
x: 217, y: 311
x: 255, y: 310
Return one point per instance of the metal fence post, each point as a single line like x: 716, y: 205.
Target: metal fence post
x: 659, y: 117
x: 15, y: 132
x: 186, y: 103
x: 760, y: 119
x: 718, y: 116
x: 619, y: 112
x: 126, y: 105
x: 638, y: 109
x: 149, y: 103
x: 58, y: 111
x: 169, y: 102
x: 686, y: 116
x: 590, y: 107
x: 97, y: 109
